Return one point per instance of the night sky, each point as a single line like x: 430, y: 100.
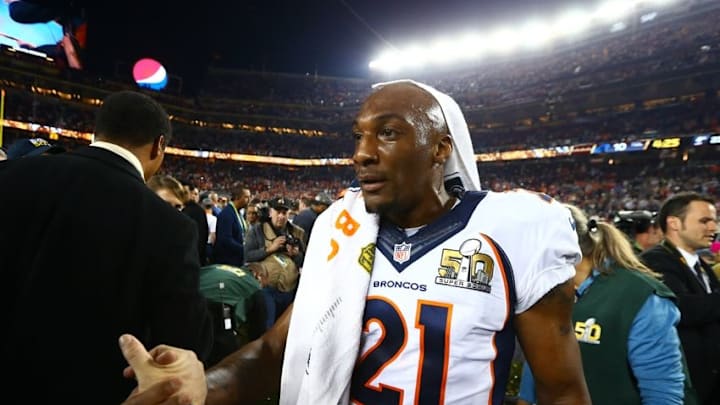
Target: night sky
x: 327, y: 37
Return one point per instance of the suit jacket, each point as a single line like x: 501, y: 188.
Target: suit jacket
x: 88, y: 252
x: 197, y: 214
x: 699, y: 327
x: 229, y: 237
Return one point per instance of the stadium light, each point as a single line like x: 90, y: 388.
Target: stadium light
x: 648, y: 17
x: 388, y: 62
x: 660, y: 3
x: 445, y: 51
x: 535, y: 34
x: 572, y: 23
x: 503, y: 41
x: 614, y: 10
x: 618, y: 26
x: 472, y: 46
x: 610, y: 14
x: 414, y: 57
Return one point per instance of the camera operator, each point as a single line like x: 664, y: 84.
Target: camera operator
x: 640, y: 227
x: 278, y: 247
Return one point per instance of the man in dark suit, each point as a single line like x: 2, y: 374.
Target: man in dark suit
x: 197, y: 214
x: 231, y: 229
x: 689, y: 222
x: 96, y: 254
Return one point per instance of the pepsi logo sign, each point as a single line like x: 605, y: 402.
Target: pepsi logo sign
x: 150, y: 74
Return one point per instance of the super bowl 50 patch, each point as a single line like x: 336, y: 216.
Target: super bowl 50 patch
x: 466, y: 267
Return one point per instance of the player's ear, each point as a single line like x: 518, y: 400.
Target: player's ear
x: 443, y: 149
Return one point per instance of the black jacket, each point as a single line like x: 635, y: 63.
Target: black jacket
x: 197, y: 214
x: 699, y: 326
x: 88, y: 252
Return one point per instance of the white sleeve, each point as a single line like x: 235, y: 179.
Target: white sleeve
x: 553, y: 253
x: 544, y: 246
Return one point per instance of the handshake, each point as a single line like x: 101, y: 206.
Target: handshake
x: 164, y: 375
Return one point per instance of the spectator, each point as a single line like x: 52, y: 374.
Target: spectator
x: 634, y: 336
x: 305, y: 219
x: 169, y: 189
x: 103, y: 252
x: 231, y: 229
x: 640, y: 227
x: 193, y: 210
x: 689, y: 222
x: 278, y: 248
x: 32, y: 147
x: 208, y: 205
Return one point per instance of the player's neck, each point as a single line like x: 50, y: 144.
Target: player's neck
x: 422, y: 214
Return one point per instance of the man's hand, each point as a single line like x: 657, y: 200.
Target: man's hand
x: 293, y: 250
x: 165, y: 375
x: 276, y: 244
x: 159, y: 394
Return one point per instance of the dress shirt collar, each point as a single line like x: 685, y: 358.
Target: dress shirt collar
x: 122, y: 152
x: 690, y: 258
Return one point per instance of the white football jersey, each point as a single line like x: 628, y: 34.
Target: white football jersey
x: 437, y: 324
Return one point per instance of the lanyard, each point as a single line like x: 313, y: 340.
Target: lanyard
x: 239, y: 217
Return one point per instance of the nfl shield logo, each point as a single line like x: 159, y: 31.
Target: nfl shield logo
x: 401, y: 254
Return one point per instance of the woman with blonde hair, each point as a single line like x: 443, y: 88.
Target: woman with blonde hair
x: 169, y: 189
x: 624, y: 319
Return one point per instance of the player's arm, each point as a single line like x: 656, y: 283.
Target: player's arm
x: 253, y: 372
x: 548, y: 341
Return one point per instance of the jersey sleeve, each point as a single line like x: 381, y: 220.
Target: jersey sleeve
x: 542, y: 245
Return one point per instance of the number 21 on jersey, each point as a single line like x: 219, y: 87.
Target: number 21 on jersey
x: 432, y: 323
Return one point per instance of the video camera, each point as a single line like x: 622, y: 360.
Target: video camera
x: 263, y: 210
x: 290, y: 240
x: 634, y: 222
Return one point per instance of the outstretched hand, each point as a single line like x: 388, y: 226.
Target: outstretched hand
x: 165, y: 375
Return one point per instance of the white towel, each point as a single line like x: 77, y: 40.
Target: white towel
x: 326, y: 323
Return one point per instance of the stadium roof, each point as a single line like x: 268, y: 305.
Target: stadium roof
x: 328, y: 37
x: 324, y: 37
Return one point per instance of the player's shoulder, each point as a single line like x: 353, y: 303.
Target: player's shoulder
x: 521, y: 205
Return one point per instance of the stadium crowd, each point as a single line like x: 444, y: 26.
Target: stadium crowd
x: 601, y: 185
x: 675, y: 117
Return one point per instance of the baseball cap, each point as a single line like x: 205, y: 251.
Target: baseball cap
x: 32, y: 147
x: 206, y: 202
x: 280, y: 203
x: 322, y: 198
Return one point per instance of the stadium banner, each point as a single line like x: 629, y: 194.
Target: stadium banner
x: 705, y: 139
x: 618, y: 147
x: 666, y: 143
x: 521, y: 154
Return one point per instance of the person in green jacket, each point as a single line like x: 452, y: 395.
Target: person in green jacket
x: 625, y: 321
